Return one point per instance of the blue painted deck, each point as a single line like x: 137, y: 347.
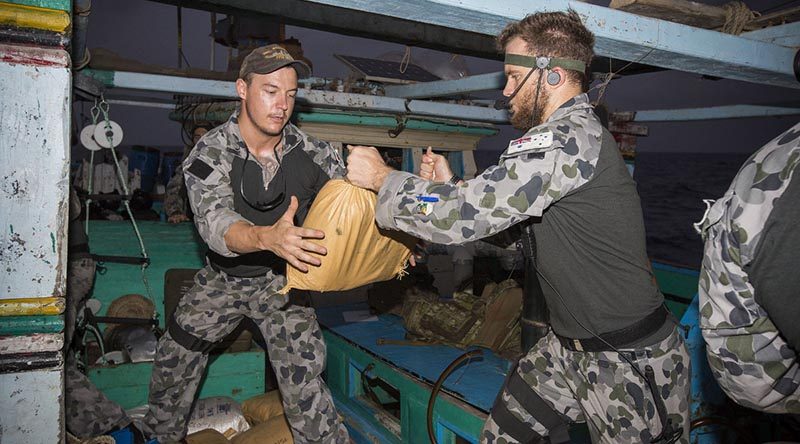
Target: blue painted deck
x: 476, y: 382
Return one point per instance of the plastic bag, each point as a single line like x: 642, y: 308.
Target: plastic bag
x: 220, y: 413
x: 359, y: 252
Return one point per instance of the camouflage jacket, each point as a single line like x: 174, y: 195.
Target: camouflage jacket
x: 568, y: 176
x: 175, y: 198
x: 211, y: 197
x: 748, y: 356
x: 732, y: 231
x: 549, y: 161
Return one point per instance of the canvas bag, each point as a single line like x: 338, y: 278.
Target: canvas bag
x: 359, y: 252
x: 491, y: 320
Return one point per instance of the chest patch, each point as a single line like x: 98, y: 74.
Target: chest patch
x: 530, y: 142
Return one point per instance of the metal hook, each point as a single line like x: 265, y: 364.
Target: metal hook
x: 401, y: 125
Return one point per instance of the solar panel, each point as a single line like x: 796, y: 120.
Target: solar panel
x: 385, y: 71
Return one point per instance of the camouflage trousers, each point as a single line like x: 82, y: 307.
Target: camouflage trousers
x: 80, y: 279
x: 602, y: 389
x: 88, y: 412
x: 755, y: 366
x: 213, y: 308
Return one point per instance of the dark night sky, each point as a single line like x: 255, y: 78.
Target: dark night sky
x: 146, y: 31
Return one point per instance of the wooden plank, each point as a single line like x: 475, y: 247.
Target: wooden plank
x: 24, y: 325
x: 63, y: 5
x: 236, y: 375
x: 618, y: 34
x: 633, y: 129
x: 35, y: 343
x: 24, y: 16
x: 31, y: 306
x: 787, y: 15
x: 345, y: 362
x: 407, y: 138
x: 678, y: 11
x: 33, y: 406
x: 35, y: 84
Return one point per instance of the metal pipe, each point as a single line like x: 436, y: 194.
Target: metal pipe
x: 80, y: 55
x: 213, y: 42
x: 180, y: 37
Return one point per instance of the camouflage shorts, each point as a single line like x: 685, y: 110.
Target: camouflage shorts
x: 601, y: 389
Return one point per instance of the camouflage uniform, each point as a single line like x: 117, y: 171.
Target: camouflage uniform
x: 88, y: 412
x: 601, y: 389
x: 176, y: 201
x: 217, y: 302
x: 747, y: 355
x: 542, y: 175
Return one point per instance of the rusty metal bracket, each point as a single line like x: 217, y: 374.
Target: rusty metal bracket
x: 401, y: 125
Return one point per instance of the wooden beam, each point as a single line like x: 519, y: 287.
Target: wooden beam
x: 687, y: 12
x: 617, y: 34
x: 787, y: 15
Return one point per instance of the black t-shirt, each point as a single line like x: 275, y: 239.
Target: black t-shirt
x: 774, y: 272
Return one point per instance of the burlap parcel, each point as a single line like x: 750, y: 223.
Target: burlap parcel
x: 359, y: 253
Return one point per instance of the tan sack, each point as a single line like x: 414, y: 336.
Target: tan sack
x: 260, y: 408
x: 359, y: 253
x: 207, y: 436
x: 274, y: 431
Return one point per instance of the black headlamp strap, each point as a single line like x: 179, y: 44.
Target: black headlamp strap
x: 544, y: 62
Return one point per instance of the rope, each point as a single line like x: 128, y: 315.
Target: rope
x: 608, y: 77
x: 737, y: 15
x: 405, y: 60
x: 126, y: 203
x: 95, y: 114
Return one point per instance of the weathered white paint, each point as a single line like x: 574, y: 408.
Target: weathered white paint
x: 34, y: 174
x: 31, y: 403
x: 34, y: 167
x: 35, y: 343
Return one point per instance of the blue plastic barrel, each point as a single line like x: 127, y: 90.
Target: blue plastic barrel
x: 145, y: 159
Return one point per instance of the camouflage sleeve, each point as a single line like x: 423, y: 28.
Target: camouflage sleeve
x: 522, y: 185
x: 174, y: 204
x: 207, y: 174
x: 325, y: 156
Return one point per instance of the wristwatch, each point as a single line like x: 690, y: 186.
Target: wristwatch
x: 455, y: 179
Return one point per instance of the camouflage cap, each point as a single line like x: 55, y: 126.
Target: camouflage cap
x: 267, y: 59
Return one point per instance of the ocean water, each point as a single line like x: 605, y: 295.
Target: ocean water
x: 672, y: 187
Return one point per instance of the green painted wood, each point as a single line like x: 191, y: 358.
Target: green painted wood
x: 61, y: 5
x: 681, y: 282
x: 168, y: 246
x: 391, y: 122
x: 25, y: 325
x: 237, y: 375
x: 102, y: 76
x: 342, y: 375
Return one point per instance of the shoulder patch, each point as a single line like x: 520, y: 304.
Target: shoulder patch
x: 200, y: 169
x: 530, y: 142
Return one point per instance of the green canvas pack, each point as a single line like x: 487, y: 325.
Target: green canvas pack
x: 490, y: 320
